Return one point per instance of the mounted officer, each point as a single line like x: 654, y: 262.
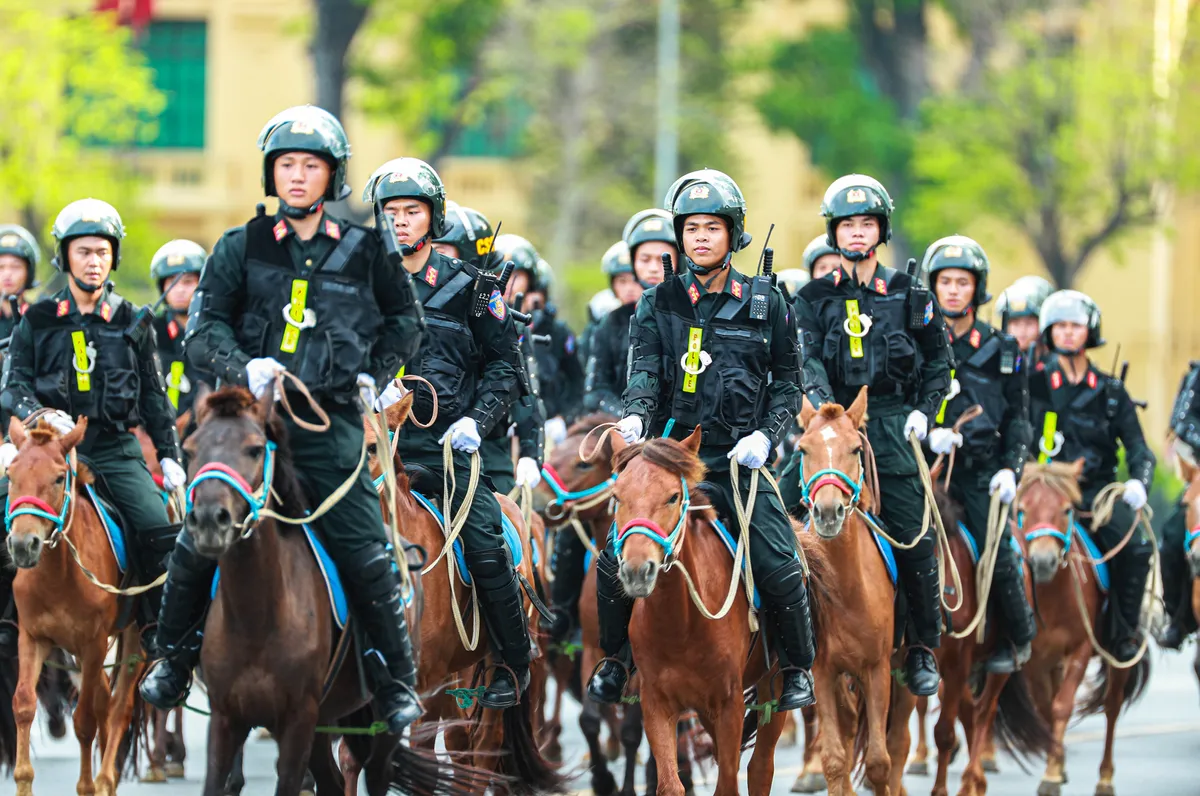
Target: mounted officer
x: 992, y: 448
x: 1172, y: 549
x: 741, y: 386
x: 1080, y: 411
x: 315, y: 294
x: 1018, y: 307
x: 175, y: 268
x: 866, y: 324
x: 472, y: 357
x: 19, y: 259
x: 82, y: 352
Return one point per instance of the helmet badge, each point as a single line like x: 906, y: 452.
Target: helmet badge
x: 954, y: 251
x: 699, y: 192
x: 9, y: 240
x: 856, y: 196
x: 302, y: 127
x: 656, y: 225
x: 175, y: 259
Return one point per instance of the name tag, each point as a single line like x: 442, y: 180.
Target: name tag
x: 291, y: 334
x: 692, y: 358
x: 83, y: 375
x: 854, y: 325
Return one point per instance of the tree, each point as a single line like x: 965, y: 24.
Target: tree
x: 77, y: 95
x: 337, y: 23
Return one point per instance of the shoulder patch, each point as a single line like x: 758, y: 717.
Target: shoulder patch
x: 496, y: 305
x: 569, y: 345
x: 928, y: 319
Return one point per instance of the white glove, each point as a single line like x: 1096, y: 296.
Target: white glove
x: 528, y: 472
x: 390, y: 395
x: 173, y: 475
x: 918, y: 423
x: 942, y: 440
x: 1004, y: 482
x: 630, y: 429
x: 1134, y: 494
x: 752, y: 450
x: 556, y: 430
x: 260, y: 373
x: 59, y: 420
x: 463, y: 434
x: 8, y: 452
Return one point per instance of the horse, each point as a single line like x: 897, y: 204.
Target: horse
x: 59, y: 607
x: 1190, y: 475
x: 269, y: 634
x: 1046, y: 498
x: 689, y: 661
x: 501, y: 740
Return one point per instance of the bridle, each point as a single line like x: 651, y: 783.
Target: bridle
x: 256, y: 499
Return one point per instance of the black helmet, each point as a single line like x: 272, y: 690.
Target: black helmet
x: 18, y: 241
x: 792, y: 279
x: 648, y: 225
x: 305, y: 128
x: 616, y: 260
x: 1022, y: 299
x: 468, y: 231
x: 959, y: 251
x: 710, y: 192
x: 815, y: 250
x: 409, y: 177
x: 522, y: 254
x: 87, y: 217
x: 856, y: 195
x: 176, y: 257
x: 1070, y: 305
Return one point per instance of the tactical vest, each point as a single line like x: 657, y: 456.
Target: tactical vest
x: 1085, y: 422
x: 449, y: 358
x: 181, y: 376
x: 86, y: 369
x: 980, y: 377
x: 728, y: 400
x: 341, y: 319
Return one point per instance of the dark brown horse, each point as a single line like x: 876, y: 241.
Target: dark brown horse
x: 1191, y: 498
x: 269, y: 635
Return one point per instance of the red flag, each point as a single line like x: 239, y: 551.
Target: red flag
x: 135, y: 13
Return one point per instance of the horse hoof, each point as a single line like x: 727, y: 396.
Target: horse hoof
x: 1105, y: 789
x: 174, y: 770
x: 917, y: 768
x: 603, y: 783
x: 155, y: 774
x: 814, y: 782
x: 990, y: 765
x: 1048, y: 788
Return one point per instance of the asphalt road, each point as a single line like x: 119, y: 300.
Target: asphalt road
x: 1157, y: 751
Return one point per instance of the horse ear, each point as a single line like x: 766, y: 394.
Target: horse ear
x: 807, y: 410
x: 1077, y: 467
x: 16, y: 431
x: 858, y: 410
x: 182, y: 422
x: 692, y: 441
x: 264, y: 406
x: 73, y: 437
x: 616, y: 443
x: 203, y: 390
x: 399, y: 412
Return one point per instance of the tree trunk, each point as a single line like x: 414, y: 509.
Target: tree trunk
x: 337, y: 23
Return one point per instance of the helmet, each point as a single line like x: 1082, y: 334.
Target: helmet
x: 648, y: 225
x: 543, y: 277
x: 856, y: 195
x: 306, y: 128
x: 1070, y: 305
x: 18, y: 241
x: 602, y: 304
x: 959, y: 251
x: 409, y: 177
x: 469, y: 231
x: 616, y: 260
x: 711, y: 192
x: 815, y: 250
x: 792, y: 279
x: 1023, y: 298
x: 87, y: 217
x: 176, y: 257
x: 522, y: 254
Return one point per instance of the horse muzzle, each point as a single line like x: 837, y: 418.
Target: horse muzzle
x: 1193, y: 558
x: 638, y: 581
x: 828, y: 518
x: 25, y: 549
x: 212, y: 529
x: 1044, y: 566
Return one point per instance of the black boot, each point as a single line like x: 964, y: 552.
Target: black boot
x: 1128, y: 589
x: 9, y: 632
x: 607, y: 685
x: 154, y: 546
x: 1176, y: 576
x: 787, y: 596
x: 925, y: 615
x: 185, y: 598
x: 1016, y: 617
x: 375, y: 593
x: 569, y: 553
x: 503, y: 612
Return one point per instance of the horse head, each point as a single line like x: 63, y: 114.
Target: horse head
x: 40, y: 488
x: 569, y: 477
x: 832, y: 475
x: 656, y: 482
x: 1045, y: 507
x: 1191, y: 500
x: 395, y: 416
x: 232, y: 461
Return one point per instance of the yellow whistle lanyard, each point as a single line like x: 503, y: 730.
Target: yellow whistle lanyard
x: 855, y: 327
x: 692, y: 358
x: 83, y: 364
x: 1046, y: 446
x: 941, y: 415
x: 291, y: 333
x: 173, y: 384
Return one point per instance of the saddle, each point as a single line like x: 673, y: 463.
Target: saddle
x: 115, y: 528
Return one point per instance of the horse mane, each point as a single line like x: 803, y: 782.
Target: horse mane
x: 831, y: 411
x: 586, y: 423
x: 666, y: 453
x: 1057, y: 476
x: 43, y: 433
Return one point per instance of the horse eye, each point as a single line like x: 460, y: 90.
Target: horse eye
x: 583, y: 466
x: 372, y: 449
x: 62, y: 479
x: 856, y: 451
x: 254, y: 451
x: 673, y: 499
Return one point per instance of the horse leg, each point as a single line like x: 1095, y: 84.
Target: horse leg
x: 761, y: 771
x: 974, y: 780
x: 660, y: 721
x: 685, y: 741
x: 326, y: 773
x: 612, y: 743
x: 989, y: 755
x: 91, y: 712
x: 631, y: 739
x: 918, y: 766
x: 120, y: 711
x: 603, y: 782
x: 31, y: 654
x: 835, y: 719
x: 812, y: 776
x: 225, y: 739
x: 1064, y: 705
x: 945, y: 731
x: 156, y: 722
x: 176, y: 751
x: 295, y: 739
x: 1117, y: 678
x: 877, y: 688
x: 898, y: 736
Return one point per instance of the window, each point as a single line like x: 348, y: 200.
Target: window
x: 175, y: 51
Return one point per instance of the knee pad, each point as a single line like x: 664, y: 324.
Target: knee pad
x: 783, y: 585
x: 491, y: 569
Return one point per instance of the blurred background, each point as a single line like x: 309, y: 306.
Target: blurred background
x: 1056, y: 132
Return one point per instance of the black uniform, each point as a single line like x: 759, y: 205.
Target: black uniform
x: 905, y: 364
x: 559, y: 369
x: 991, y: 374
x: 525, y: 422
x: 608, y: 362
x: 182, y: 377
x: 1173, y: 554
x: 1095, y: 418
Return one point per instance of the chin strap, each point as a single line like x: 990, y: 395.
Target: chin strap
x: 409, y: 251
x: 86, y: 288
x: 858, y: 257
x: 947, y: 313
x: 695, y: 269
x: 300, y: 212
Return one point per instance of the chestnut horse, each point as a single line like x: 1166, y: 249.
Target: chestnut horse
x: 48, y: 510
x: 1046, y: 499
x: 1191, y: 498
x: 501, y: 740
x: 686, y: 660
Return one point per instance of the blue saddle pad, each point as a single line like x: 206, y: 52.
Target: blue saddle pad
x: 969, y: 540
x: 731, y: 545
x: 509, y: 531
x: 333, y: 582
x: 1094, y: 553
x: 116, y: 539
x: 885, y: 551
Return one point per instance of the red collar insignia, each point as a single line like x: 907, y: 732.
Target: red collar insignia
x: 172, y: 330
x: 736, y: 289
x: 837, y: 277
x: 333, y: 230
x: 693, y: 293
x: 1055, y: 380
x: 880, y: 286
x: 431, y: 275
x: 280, y: 230
x: 1039, y: 367
x: 64, y: 307
x: 106, y: 311
x: 24, y: 306
x: 1091, y: 379
x: 974, y: 338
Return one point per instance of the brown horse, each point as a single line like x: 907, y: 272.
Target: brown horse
x: 1191, y: 498
x: 501, y: 740
x: 1046, y: 497
x: 689, y: 661
x: 269, y: 636
x: 59, y: 607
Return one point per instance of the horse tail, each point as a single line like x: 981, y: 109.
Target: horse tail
x: 8, y: 722
x: 522, y: 759
x: 750, y: 720
x: 1135, y: 686
x: 55, y: 691
x: 127, y: 762
x: 1019, y: 727
x: 420, y: 771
